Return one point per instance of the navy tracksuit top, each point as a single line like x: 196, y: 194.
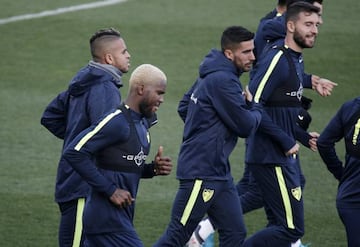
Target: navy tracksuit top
x: 344, y: 125
x: 119, y: 145
x: 215, y: 115
x: 93, y: 92
x: 277, y: 84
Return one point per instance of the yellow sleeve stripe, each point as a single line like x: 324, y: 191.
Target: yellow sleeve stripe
x: 191, y: 202
x: 261, y: 86
x: 78, y: 223
x: 356, y: 132
x: 97, y: 129
x: 285, y: 197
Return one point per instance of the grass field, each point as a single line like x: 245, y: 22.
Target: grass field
x: 39, y: 57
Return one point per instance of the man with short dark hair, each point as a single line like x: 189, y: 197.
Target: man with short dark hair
x: 215, y: 115
x: 278, y: 86
x: 93, y: 91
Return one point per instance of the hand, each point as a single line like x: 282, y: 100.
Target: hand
x: 322, y: 86
x: 294, y: 150
x: 163, y: 164
x: 247, y: 94
x: 313, y: 140
x: 121, y: 198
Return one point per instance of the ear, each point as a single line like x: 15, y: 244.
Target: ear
x: 229, y: 54
x: 109, y: 59
x: 140, y: 89
x: 290, y: 25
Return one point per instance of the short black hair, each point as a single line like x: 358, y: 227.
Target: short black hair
x: 281, y: 2
x: 104, y: 32
x: 102, y: 35
x: 289, y: 2
x: 294, y: 9
x: 234, y: 35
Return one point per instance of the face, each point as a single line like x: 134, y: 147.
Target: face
x: 243, y: 56
x: 120, y: 56
x: 152, y: 98
x: 320, y: 12
x: 306, y: 29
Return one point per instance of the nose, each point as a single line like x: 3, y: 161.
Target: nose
x: 320, y: 20
x: 315, y: 29
x: 161, y: 99
x: 252, y: 56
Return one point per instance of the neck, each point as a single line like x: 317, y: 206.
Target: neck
x: 131, y: 104
x: 289, y: 42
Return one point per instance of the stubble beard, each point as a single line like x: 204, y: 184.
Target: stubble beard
x: 300, y: 41
x: 145, y: 109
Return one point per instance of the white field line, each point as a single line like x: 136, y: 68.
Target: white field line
x: 60, y: 11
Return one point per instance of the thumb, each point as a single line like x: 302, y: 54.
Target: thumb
x: 160, y: 151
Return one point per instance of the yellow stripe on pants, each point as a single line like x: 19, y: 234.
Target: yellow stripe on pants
x: 78, y: 223
x: 190, y: 204
x: 285, y: 197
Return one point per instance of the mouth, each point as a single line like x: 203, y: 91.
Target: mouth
x: 312, y: 37
x: 247, y: 66
x: 155, y: 108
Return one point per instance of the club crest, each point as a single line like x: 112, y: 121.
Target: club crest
x: 207, y: 194
x: 296, y: 192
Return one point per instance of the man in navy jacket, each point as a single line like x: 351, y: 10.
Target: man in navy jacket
x: 92, y: 92
x: 215, y: 114
x: 119, y: 144
x: 345, y: 124
x: 272, y: 151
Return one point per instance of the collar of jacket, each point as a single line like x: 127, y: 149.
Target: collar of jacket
x: 115, y: 72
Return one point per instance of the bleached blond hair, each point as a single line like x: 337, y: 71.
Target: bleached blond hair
x: 146, y: 74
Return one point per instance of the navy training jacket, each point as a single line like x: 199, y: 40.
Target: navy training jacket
x: 215, y: 115
x: 344, y: 125
x: 280, y: 91
x: 93, y: 92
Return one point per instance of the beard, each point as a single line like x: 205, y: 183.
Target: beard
x: 145, y: 109
x: 301, y: 41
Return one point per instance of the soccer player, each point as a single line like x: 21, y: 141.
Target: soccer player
x: 119, y: 144
x: 273, y: 31
x: 215, y: 114
x: 259, y: 41
x: 278, y: 85
x: 345, y: 125
x: 250, y: 196
x: 93, y: 91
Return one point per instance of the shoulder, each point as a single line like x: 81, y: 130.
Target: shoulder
x: 275, y: 57
x: 223, y: 79
x: 351, y: 107
x: 114, y: 124
x: 105, y: 91
x: 276, y: 22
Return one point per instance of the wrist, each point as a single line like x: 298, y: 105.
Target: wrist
x: 155, y: 170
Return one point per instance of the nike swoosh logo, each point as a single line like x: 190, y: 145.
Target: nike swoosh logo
x: 301, y: 117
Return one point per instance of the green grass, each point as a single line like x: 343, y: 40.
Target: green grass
x: 39, y: 57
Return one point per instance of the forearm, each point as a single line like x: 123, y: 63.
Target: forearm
x: 86, y: 168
